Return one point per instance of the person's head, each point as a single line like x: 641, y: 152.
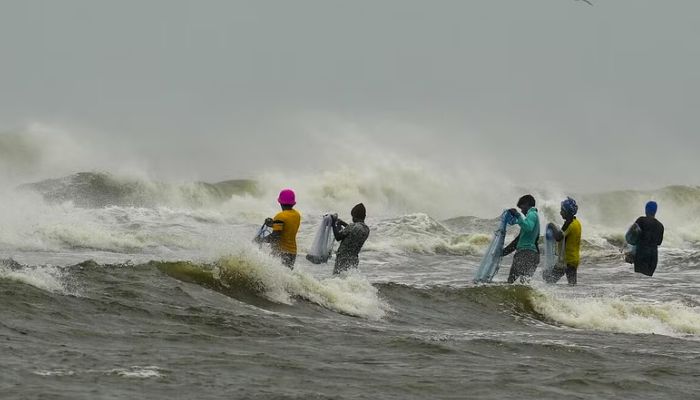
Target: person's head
x: 287, y: 199
x: 525, y: 203
x: 651, y: 208
x: 569, y: 208
x: 358, y: 213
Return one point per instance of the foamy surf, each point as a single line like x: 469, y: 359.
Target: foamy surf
x: 139, y: 372
x: 255, y: 271
x: 624, y: 315
x: 48, y: 278
x: 350, y: 294
x: 420, y: 234
x: 136, y: 371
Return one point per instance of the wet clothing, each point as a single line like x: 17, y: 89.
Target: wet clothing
x: 646, y: 256
x: 527, y: 252
x: 529, y: 230
x: 286, y: 224
x: 525, y: 263
x: 570, y: 239
x: 572, y: 242
x: 556, y: 273
x: 283, y: 240
x: 351, y: 239
x: 288, y: 260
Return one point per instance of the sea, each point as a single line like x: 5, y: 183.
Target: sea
x: 123, y: 287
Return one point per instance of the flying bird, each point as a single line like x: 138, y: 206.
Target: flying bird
x: 589, y: 3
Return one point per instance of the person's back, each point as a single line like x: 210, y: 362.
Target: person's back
x: 652, y: 232
x: 650, y: 238
x: 287, y: 223
x: 572, y: 248
x: 352, y: 237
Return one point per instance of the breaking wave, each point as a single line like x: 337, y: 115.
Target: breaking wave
x: 624, y: 315
x: 48, y: 278
x: 98, y: 189
x: 547, y: 306
x: 252, y: 276
x: 419, y: 233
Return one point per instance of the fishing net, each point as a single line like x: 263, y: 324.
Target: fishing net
x: 494, y: 254
x: 322, y: 246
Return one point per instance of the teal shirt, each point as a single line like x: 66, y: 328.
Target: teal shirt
x: 529, y: 230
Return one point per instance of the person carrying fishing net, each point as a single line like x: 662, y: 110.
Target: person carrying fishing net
x: 285, y: 225
x: 351, y: 237
x: 569, y: 241
x: 527, y: 253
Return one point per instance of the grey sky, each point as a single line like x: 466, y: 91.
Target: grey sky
x: 547, y: 90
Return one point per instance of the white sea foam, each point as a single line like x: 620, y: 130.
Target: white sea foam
x: 54, y: 372
x: 136, y: 371
x: 351, y: 294
x: 619, y: 314
x: 419, y: 233
x: 48, y: 278
x: 404, y: 198
x: 100, y: 237
x: 29, y: 224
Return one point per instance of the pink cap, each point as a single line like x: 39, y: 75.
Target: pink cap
x: 287, y: 198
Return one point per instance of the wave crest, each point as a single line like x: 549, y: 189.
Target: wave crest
x: 99, y: 189
x: 251, y: 276
x: 619, y: 314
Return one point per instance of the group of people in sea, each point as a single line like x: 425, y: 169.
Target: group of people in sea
x: 285, y: 226
x: 526, y: 243
x: 644, y: 237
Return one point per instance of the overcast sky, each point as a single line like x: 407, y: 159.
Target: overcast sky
x: 541, y: 90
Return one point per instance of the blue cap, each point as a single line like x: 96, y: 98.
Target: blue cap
x: 651, y: 208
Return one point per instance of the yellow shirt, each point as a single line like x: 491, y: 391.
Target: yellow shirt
x: 287, y: 223
x: 572, y: 243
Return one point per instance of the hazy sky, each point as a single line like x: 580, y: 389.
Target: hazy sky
x: 542, y: 90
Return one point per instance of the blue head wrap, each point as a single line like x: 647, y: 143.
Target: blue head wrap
x: 569, y: 206
x: 651, y: 208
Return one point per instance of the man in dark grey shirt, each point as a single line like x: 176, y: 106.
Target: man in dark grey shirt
x: 351, y: 238
x: 650, y: 238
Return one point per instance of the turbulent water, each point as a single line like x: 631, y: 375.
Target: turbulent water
x: 124, y: 288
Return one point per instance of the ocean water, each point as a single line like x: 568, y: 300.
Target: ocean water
x: 121, y: 288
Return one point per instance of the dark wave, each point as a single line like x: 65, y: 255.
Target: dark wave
x: 472, y: 304
x: 230, y: 283
x: 491, y: 305
x: 99, y: 189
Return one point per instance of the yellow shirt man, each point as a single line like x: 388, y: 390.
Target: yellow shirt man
x: 572, y: 244
x: 287, y: 224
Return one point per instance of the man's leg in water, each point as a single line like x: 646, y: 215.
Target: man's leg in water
x: 571, y: 275
x: 342, y: 265
x: 554, y: 275
x: 513, y: 274
x: 524, y: 265
x: 532, y: 260
x: 518, y: 268
x: 288, y: 260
